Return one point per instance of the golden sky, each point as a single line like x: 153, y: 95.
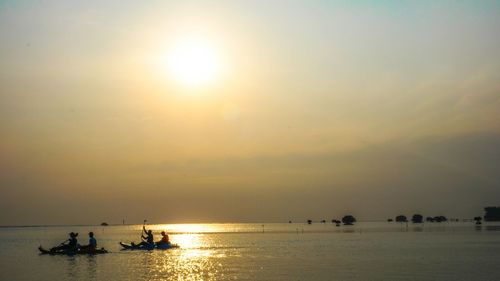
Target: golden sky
x: 247, y: 110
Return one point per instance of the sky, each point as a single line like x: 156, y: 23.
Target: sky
x: 272, y: 111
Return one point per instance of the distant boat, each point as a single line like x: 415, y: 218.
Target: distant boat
x: 104, y: 224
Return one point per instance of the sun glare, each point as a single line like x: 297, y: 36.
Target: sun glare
x: 193, y: 63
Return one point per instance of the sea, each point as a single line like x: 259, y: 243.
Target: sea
x: 262, y: 251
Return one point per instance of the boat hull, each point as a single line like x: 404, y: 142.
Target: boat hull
x: 44, y: 251
x: 161, y: 246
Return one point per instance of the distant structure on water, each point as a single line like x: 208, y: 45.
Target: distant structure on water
x: 401, y: 218
x: 492, y: 214
x: 440, y: 219
x: 336, y: 222
x: 478, y: 220
x: 348, y: 220
x: 104, y: 224
x: 436, y: 219
x: 417, y: 218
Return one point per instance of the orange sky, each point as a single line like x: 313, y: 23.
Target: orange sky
x: 298, y: 110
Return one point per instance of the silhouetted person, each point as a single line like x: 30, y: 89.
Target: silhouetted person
x: 92, y: 242
x: 72, y: 243
x: 164, y: 238
x: 149, y: 238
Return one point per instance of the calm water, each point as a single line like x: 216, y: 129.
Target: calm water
x: 367, y: 251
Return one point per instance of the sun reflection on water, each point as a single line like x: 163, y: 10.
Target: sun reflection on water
x: 198, y: 257
x: 193, y: 261
x: 188, y: 241
x: 188, y: 228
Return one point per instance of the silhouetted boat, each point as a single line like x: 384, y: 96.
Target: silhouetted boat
x: 44, y: 251
x: 149, y: 247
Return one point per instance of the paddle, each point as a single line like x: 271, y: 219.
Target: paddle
x: 143, y: 228
x: 63, y: 243
x: 54, y: 248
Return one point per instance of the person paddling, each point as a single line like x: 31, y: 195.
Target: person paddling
x: 71, y: 245
x: 149, y: 238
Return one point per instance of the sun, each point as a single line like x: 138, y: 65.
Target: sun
x: 193, y: 62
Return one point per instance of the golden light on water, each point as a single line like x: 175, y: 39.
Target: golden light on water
x: 188, y: 236
x: 188, y: 241
x: 187, y: 228
x: 194, y: 260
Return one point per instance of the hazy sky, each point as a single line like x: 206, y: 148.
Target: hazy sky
x: 317, y: 109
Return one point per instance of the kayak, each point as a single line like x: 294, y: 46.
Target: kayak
x: 166, y: 246
x: 160, y: 246
x: 44, y: 251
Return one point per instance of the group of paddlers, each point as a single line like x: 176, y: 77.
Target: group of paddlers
x: 148, y: 238
x: 71, y: 245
